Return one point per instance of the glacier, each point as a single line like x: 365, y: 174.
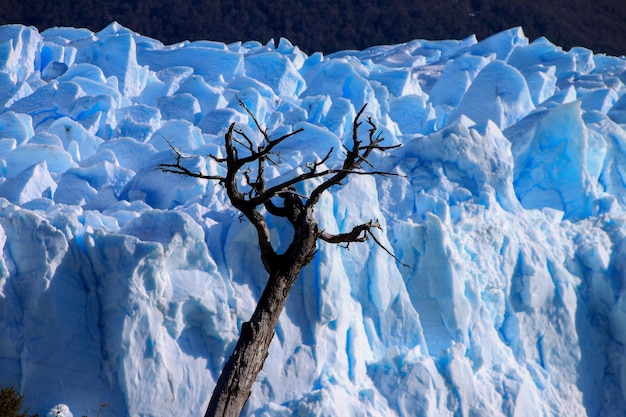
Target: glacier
x: 126, y: 286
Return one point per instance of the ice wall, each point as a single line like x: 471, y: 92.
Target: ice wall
x: 125, y: 285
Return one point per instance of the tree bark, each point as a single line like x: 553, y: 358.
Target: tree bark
x: 234, y: 385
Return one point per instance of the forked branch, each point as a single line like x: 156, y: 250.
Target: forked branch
x: 245, y: 165
x: 245, y: 183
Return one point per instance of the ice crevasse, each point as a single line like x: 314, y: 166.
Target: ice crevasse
x: 124, y: 285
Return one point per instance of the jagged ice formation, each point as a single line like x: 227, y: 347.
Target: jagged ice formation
x: 126, y: 285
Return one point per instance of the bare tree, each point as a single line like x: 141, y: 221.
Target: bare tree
x: 245, y: 167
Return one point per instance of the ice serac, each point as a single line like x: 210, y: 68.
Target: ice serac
x: 17, y: 126
x: 277, y: 71
x: 32, y: 183
x: 498, y: 93
x: 413, y: 114
x: 456, y: 78
x: 214, y: 63
x: 618, y: 111
x: 125, y: 285
x: 550, y: 163
x: 503, y: 44
x: 180, y: 106
x: 338, y: 78
x: 115, y: 52
x: 20, y: 51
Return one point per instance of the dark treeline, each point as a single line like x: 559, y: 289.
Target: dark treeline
x: 331, y: 25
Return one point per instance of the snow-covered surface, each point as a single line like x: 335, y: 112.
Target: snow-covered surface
x: 125, y: 285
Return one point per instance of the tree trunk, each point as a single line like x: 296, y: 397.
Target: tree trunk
x: 235, y: 382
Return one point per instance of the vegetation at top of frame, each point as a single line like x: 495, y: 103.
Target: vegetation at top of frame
x: 11, y: 403
x: 329, y: 26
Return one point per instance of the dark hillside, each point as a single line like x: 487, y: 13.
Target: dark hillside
x: 329, y: 26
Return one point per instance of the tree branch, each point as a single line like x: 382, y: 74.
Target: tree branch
x: 360, y: 233
x: 387, y: 250
x: 357, y: 234
x: 180, y: 169
x: 355, y: 157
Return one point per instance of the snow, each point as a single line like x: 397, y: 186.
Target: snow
x: 124, y: 285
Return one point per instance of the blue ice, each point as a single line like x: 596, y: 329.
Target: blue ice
x: 123, y: 284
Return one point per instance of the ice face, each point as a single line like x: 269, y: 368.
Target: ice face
x: 125, y: 285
